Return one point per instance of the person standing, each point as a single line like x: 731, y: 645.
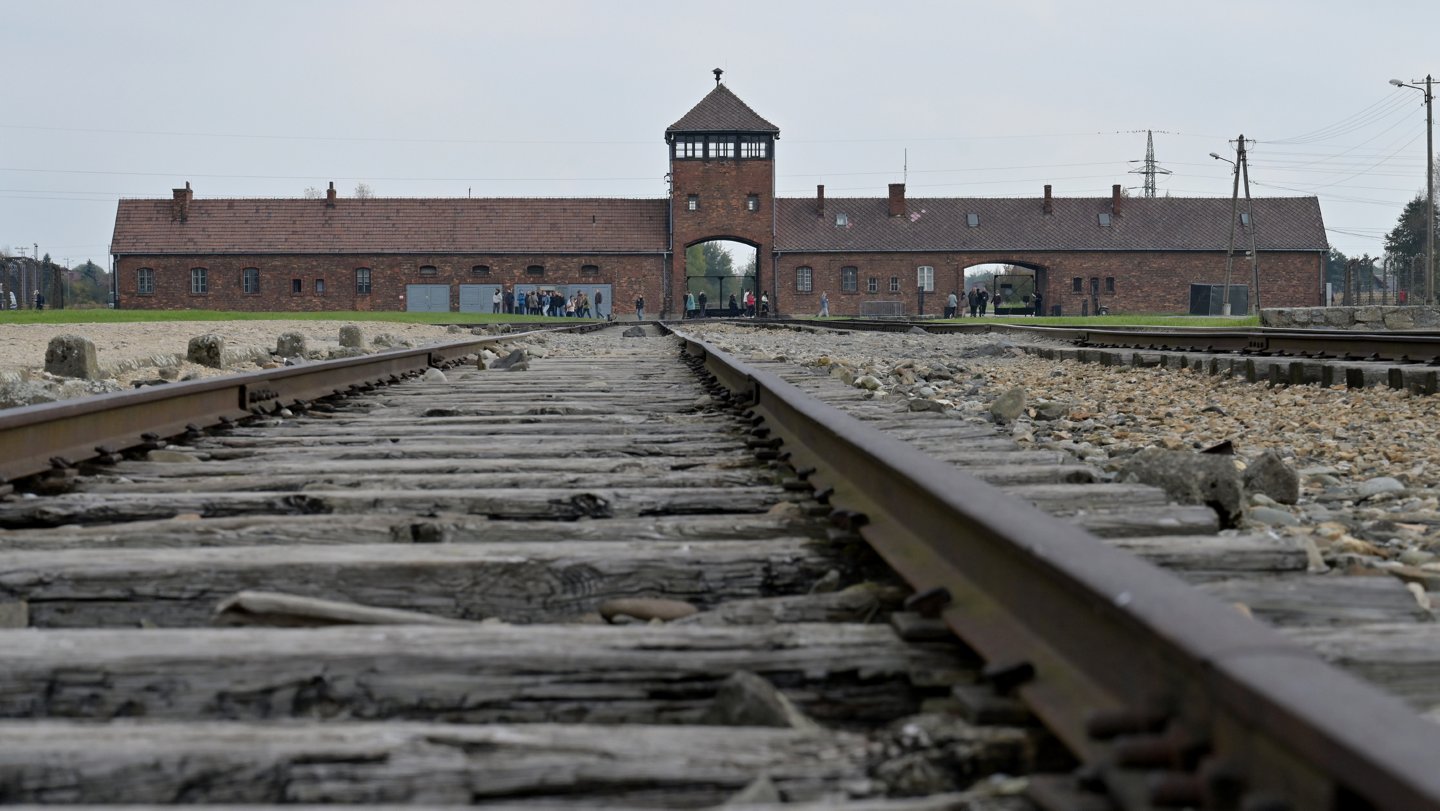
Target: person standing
x: 984, y: 296
x: 972, y: 300
x: 1039, y: 306
x: 701, y: 311
x: 640, y: 308
x: 599, y: 299
x: 734, y: 307
x: 824, y: 304
x: 764, y: 305
x: 749, y: 304
x: 689, y: 305
x: 495, y: 302
x: 952, y: 305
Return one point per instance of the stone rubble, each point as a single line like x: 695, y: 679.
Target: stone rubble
x: 1356, y: 472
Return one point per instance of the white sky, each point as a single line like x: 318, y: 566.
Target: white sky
x: 105, y: 99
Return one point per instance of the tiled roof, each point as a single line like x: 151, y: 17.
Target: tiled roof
x: 722, y: 111
x: 394, y: 225
x: 1019, y: 224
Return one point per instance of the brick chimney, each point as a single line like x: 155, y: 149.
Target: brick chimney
x: 820, y: 199
x: 180, y: 206
x: 1115, y: 200
x: 897, y: 199
x: 1049, y: 203
x: 330, y: 195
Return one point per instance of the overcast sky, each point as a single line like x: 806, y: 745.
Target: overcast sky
x: 555, y: 98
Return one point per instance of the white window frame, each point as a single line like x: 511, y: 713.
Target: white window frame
x: 199, y: 281
x: 925, y: 278
x: 362, y: 282
x: 849, y: 279
x: 804, y: 279
x: 145, y: 282
x: 250, y: 281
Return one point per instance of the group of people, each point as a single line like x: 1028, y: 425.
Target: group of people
x: 546, y: 302
x: 978, y: 300
x: 746, y: 304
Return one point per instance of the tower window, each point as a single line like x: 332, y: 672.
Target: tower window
x: 752, y: 147
x: 692, y: 202
x: 689, y: 146
x: 752, y: 202
x: 804, y: 280
x: 849, y: 279
x: 721, y: 147
x: 250, y: 280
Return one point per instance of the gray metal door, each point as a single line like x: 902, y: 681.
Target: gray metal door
x: 427, y: 298
x: 477, y: 298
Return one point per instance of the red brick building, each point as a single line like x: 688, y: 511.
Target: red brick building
x: 869, y: 255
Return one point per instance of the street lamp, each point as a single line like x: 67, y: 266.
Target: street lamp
x: 1230, y: 251
x: 1429, y: 181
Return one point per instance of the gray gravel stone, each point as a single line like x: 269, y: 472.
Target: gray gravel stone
x: 1273, y: 517
x: 291, y: 345
x: 1269, y: 474
x: 350, y: 335
x: 72, y: 356
x: 1190, y: 478
x: 1380, y: 484
x: 207, y: 350
x: 1010, y: 405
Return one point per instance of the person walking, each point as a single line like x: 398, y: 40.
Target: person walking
x: 599, y: 299
x: 639, y: 308
x: 952, y: 305
x: 1039, y: 307
x: 749, y: 304
x: 972, y: 299
x: 764, y: 305
x: 984, y: 296
x: 824, y: 304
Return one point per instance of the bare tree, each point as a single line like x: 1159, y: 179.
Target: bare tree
x: 312, y: 193
x: 363, y: 191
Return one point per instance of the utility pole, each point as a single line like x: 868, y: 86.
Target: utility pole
x: 1230, y: 251
x: 1430, y: 186
x: 1244, y: 165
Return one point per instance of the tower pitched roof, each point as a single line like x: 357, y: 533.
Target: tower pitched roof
x: 722, y: 111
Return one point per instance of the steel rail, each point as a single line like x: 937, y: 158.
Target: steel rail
x: 1169, y: 693
x: 41, y: 438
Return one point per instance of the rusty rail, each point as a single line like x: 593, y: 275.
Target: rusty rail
x: 1174, y: 698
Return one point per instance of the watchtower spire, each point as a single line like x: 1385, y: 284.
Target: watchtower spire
x: 717, y: 73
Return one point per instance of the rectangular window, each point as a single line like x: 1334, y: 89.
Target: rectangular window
x: 751, y: 147
x: 925, y: 278
x: 199, y: 281
x: 535, y: 270
x: 894, y: 284
x: 250, y: 281
x: 480, y: 270
x: 1105, y: 219
x: 319, y: 287
x: 145, y: 281
x: 1077, y: 285
x: 804, y: 280
x: 590, y: 270
x: 429, y: 270
x: 689, y: 146
x: 972, y: 220
x: 362, y: 281
x: 849, y: 280
x: 296, y: 287
x: 1245, y: 219
x: 752, y: 202
x: 872, y: 285
x: 842, y: 220
x: 692, y: 202
x: 721, y: 147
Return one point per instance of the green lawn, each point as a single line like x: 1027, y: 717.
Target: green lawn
x: 1238, y: 322
x: 98, y: 316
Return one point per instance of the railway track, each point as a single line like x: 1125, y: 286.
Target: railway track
x: 636, y: 573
